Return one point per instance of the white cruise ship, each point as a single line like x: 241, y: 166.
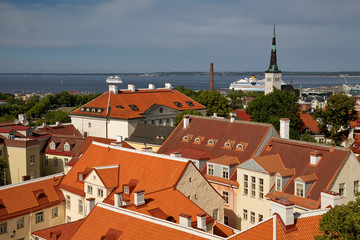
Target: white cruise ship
x: 248, y: 84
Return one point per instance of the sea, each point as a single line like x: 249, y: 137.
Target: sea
x: 95, y: 83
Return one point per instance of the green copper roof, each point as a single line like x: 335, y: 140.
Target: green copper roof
x: 273, y: 61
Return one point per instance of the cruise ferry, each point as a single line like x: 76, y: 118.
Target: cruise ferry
x: 113, y: 79
x: 248, y: 84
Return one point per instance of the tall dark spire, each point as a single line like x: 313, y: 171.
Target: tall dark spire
x: 273, y: 62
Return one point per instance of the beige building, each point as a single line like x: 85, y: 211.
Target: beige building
x: 30, y: 206
x: 161, y: 185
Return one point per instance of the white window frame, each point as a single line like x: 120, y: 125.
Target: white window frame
x: 80, y: 206
x: 55, y: 212
x: 3, y: 228
x: 225, y: 195
x: 253, y: 186
x: 89, y: 189
x: 66, y: 147
x: 20, y: 223
x: 261, y: 188
x: 210, y: 167
x: 245, y: 214
x: 126, y: 190
x: 39, y: 217
x: 197, y: 140
x: 246, y: 184
x: 278, y: 188
x: 68, y: 202
x: 342, y: 193
x: 100, y: 192
x: 252, y: 217
x: 52, y: 145
x: 216, y: 213
x: 225, y: 172
x: 298, y: 183
x: 356, y: 187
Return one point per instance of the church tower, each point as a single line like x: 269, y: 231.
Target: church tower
x: 273, y: 74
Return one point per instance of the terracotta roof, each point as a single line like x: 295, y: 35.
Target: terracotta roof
x: 309, y: 122
x: 270, y: 163
x: 263, y: 230
x: 355, y: 123
x: 123, y: 224
x: 62, y: 130
x: 150, y: 134
x: 108, y: 176
x: 22, y: 143
x: 75, y: 145
x: 231, y: 182
x: 127, y: 104
x: 152, y: 172
x: 242, y: 115
x: 296, y: 155
x: 249, y: 134
x: 21, y: 198
x: 60, y: 232
x: 355, y: 146
x: 225, y: 160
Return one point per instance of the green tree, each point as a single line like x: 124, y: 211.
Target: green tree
x: 272, y: 107
x: 215, y: 103
x: 3, y: 168
x: 306, y: 136
x: 188, y: 92
x: 335, y: 119
x: 235, y: 98
x: 53, y: 117
x: 341, y: 222
x: 180, y: 116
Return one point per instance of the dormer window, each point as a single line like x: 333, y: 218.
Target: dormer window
x: 52, y: 145
x: 87, y: 110
x: 134, y: 107
x: 93, y: 110
x: 185, y: 138
x: 11, y: 136
x: 278, y: 184
x: 227, y: 144
x: 126, y: 190
x: 197, y: 140
x: 210, y: 169
x: 178, y: 104
x: 67, y: 147
x: 81, y: 177
x: 82, y: 109
x: 99, y: 110
x: 355, y: 145
x: 299, y: 189
x: 211, y: 141
x: 239, y: 146
x: 225, y: 172
x: 189, y: 103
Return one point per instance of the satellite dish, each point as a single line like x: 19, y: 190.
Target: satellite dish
x: 16, y: 121
x: 26, y: 122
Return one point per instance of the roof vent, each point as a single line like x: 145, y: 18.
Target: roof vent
x: 131, y: 87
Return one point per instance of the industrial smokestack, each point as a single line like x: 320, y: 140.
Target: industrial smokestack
x: 211, y: 77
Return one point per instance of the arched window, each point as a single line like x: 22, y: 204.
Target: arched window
x: 227, y: 144
x: 240, y: 146
x: 185, y: 138
x: 211, y: 141
x: 197, y: 140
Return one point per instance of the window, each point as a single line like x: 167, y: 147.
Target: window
x: 33, y: 175
x: 68, y: 202
x: 126, y: 189
x: 356, y: 187
x: 299, y: 190
x: 227, y: 144
x: 134, y: 107
x: 226, y: 196
x: 81, y: 208
x: 197, y: 140
x: 245, y: 215
x: 342, y: 189
x: 278, y: 185
x: 52, y: 145
x: 215, y: 214
x: 67, y: 147
x: 225, y: 172
x: 190, y: 179
x: 100, y: 192
x: 66, y: 160
x: 54, y: 212
x: 56, y: 162
x: 211, y: 141
x: 211, y: 169
x: 253, y: 185
x: 261, y: 188
x: 39, y: 217
x: 68, y: 219
x: 89, y: 189
x: 32, y: 160
x: 246, y: 184
x: 178, y: 104
x: 268, y: 79
x: 89, y: 124
x: 261, y: 217
x: 252, y: 217
x: 277, y: 79
x: 20, y: 223
x: 226, y: 220
x: 46, y: 160
x: 3, y: 228
x: 185, y: 138
x: 239, y: 146
x: 85, y: 134
x: 196, y: 196
x: 189, y: 103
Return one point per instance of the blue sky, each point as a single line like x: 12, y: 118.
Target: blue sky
x: 88, y: 36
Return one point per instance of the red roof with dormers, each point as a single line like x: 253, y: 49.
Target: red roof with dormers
x: 74, y: 143
x: 296, y: 155
x: 60, y: 232
x: 127, y: 104
x: 30, y: 196
x: 244, y: 138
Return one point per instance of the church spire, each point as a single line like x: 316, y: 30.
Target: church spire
x: 273, y: 62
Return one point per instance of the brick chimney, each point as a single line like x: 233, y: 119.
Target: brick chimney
x: 118, y: 199
x: 139, y: 197
x: 185, y: 220
x: 211, y: 77
x: 201, y: 221
x: 329, y: 198
x: 284, y: 128
x: 285, y: 209
x: 90, y: 203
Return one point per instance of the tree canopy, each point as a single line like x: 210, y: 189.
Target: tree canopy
x: 335, y: 119
x: 341, y: 222
x: 272, y: 107
x: 180, y: 116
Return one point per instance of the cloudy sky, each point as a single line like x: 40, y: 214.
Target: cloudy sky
x: 88, y: 36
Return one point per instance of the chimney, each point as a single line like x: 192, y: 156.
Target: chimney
x: 147, y: 149
x: 186, y: 121
x: 43, y: 124
x: 285, y: 209
x: 201, y: 221
x: 118, y: 199
x: 315, y: 157
x: 90, y: 203
x: 22, y: 118
x: 151, y: 86
x: 284, y: 128
x: 185, y: 220
x: 131, y: 87
x: 214, y: 114
x: 332, y: 148
x: 211, y: 77
x: 232, y: 117
x: 175, y: 154
x: 113, y: 88
x: 57, y: 123
x: 329, y: 198
x: 168, y: 86
x: 139, y: 197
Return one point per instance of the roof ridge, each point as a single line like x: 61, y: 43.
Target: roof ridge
x: 107, y: 167
x: 31, y: 181
x: 312, y: 213
x: 307, y: 144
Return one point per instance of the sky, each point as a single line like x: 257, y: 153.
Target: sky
x: 145, y: 36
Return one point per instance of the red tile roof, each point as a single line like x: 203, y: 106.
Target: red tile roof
x: 242, y: 115
x: 75, y: 144
x: 263, y: 230
x: 309, y: 122
x: 109, y: 176
x: 225, y: 160
x: 122, y: 104
x: 296, y: 154
x: 105, y: 219
x: 62, y: 130
x: 19, y: 199
x: 270, y: 163
x: 60, y: 232
x: 248, y: 134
